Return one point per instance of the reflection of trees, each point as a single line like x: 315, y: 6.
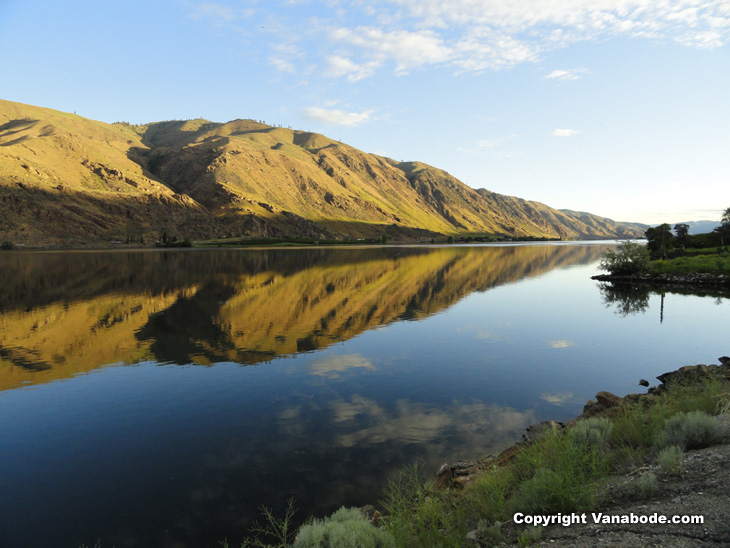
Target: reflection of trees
x: 628, y: 299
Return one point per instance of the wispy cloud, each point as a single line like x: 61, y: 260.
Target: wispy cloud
x: 566, y: 75
x: 335, y: 117
x: 565, y: 132
x: 476, y: 35
x: 556, y: 399
x: 216, y: 12
x: 332, y: 366
x: 561, y: 344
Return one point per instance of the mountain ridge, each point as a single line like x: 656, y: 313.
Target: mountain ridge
x: 65, y: 179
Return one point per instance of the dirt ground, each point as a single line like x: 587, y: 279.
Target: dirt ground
x: 703, y: 489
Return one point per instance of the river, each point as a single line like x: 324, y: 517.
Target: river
x: 160, y: 397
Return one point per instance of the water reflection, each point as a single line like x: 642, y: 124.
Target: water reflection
x: 629, y: 299
x: 63, y: 314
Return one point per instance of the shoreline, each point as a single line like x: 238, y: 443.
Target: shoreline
x: 697, y: 278
x: 692, y: 491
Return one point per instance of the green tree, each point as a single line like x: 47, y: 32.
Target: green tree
x: 660, y: 240
x: 724, y: 229
x: 629, y: 259
x: 682, y: 231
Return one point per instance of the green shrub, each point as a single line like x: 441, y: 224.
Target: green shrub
x: 692, y: 430
x: 630, y: 258
x: 419, y: 516
x: 670, y: 459
x: 346, y: 528
x: 594, y: 432
x: 489, y: 534
x: 530, y: 536
x: 490, y: 491
x: 646, y: 485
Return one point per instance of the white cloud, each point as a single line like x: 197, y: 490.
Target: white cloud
x: 477, y: 35
x: 335, y: 117
x: 566, y: 75
x: 562, y: 344
x: 341, y: 66
x: 406, y: 49
x: 282, y: 65
x: 565, y: 132
x: 216, y: 12
x: 556, y: 399
x: 332, y: 366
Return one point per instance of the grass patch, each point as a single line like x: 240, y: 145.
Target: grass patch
x: 710, y: 263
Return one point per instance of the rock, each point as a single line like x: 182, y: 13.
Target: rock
x: 724, y: 360
x: 471, y: 537
x: 608, y: 400
x: 592, y: 408
x: 444, y: 477
x: 370, y: 512
x: 536, y: 431
x: 644, y: 382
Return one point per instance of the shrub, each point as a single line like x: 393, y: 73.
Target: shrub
x: 670, y: 459
x: 646, y: 485
x: 490, y: 491
x: 594, y: 432
x: 629, y: 259
x: 346, y: 528
x: 530, y: 536
x: 692, y: 430
x: 419, y: 516
x: 489, y: 534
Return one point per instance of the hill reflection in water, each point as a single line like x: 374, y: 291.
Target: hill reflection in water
x: 67, y: 313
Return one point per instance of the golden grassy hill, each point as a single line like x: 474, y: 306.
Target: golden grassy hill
x: 67, y: 179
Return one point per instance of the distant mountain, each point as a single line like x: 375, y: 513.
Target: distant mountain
x: 700, y: 227
x: 68, y: 180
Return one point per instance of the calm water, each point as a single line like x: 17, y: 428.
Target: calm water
x: 159, y: 398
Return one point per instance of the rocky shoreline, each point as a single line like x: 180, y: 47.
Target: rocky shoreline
x: 698, y: 278
x: 700, y: 490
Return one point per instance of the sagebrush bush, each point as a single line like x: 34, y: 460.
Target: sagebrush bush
x: 646, y: 485
x: 670, y: 459
x: 346, y: 528
x: 594, y: 431
x: 692, y: 430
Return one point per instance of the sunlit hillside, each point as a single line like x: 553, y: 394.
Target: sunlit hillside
x: 65, y: 179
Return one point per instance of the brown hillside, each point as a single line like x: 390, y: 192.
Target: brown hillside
x: 67, y: 179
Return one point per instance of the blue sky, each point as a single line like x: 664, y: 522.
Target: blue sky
x: 617, y: 107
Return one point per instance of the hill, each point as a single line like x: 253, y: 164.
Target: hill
x: 65, y: 179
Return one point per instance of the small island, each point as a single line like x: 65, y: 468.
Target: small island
x: 675, y: 259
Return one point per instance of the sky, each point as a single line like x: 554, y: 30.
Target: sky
x: 616, y: 107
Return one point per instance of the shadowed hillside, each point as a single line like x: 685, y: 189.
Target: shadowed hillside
x: 68, y: 180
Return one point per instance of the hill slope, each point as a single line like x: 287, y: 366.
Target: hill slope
x: 67, y: 179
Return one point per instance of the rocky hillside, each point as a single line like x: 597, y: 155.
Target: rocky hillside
x: 65, y: 179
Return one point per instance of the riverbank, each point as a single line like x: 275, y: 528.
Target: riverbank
x: 694, y: 279
x: 612, y: 460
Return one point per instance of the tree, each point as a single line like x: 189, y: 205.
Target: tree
x: 660, y: 240
x: 629, y: 259
x: 724, y: 229
x: 681, y: 230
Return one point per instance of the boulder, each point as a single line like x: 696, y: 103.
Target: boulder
x: 608, y: 400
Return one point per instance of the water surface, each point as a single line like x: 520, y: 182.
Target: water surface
x: 158, y: 398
